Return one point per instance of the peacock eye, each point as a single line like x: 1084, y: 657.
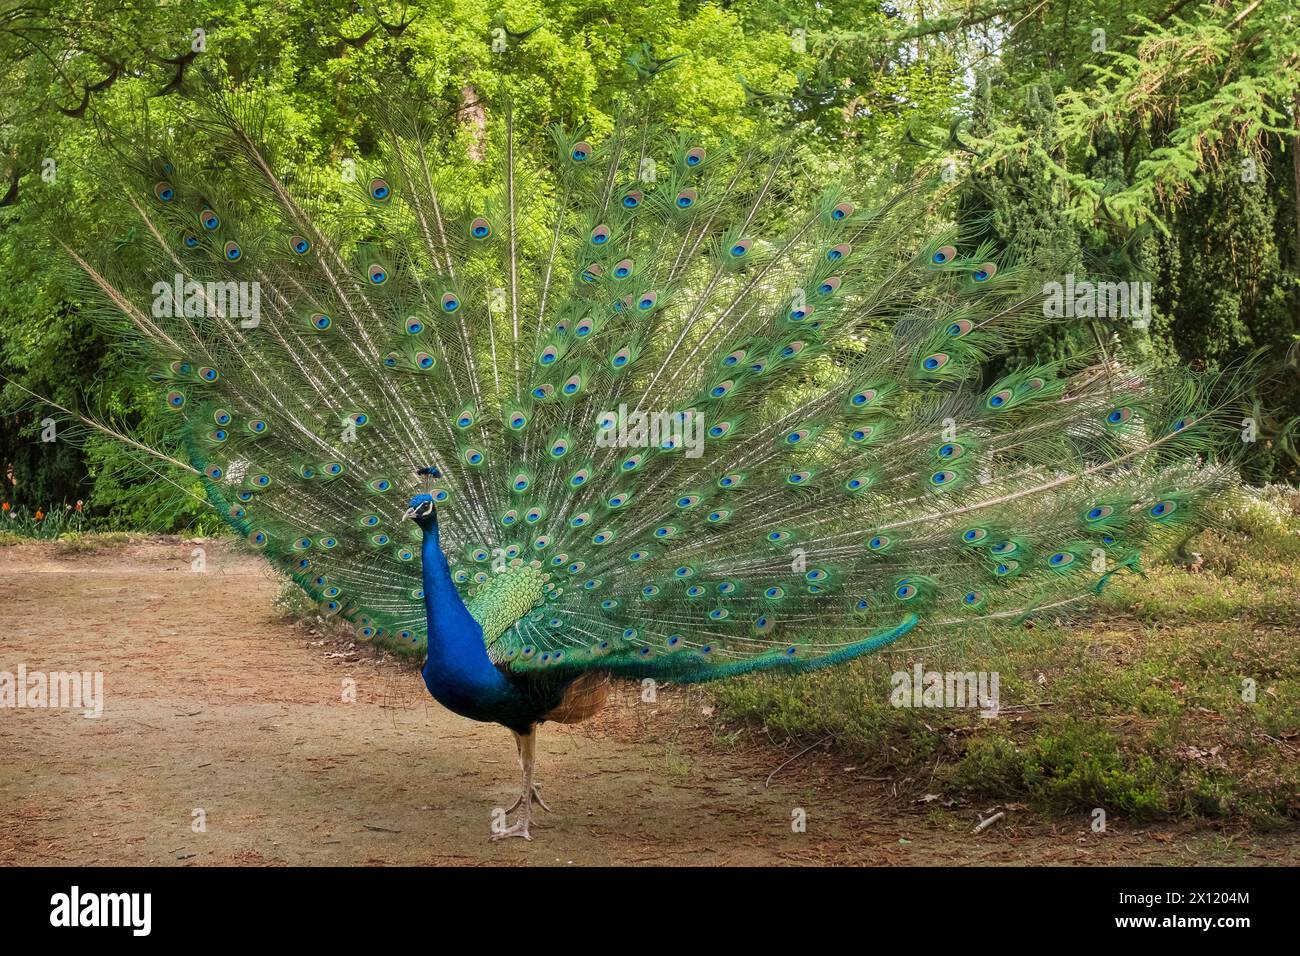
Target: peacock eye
x: 379, y: 190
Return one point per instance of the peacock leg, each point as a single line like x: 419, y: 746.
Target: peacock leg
x: 537, y: 797
x: 527, y: 755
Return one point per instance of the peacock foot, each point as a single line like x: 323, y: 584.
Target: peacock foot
x: 518, y: 829
x: 537, y: 799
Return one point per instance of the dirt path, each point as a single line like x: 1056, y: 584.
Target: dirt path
x: 215, y: 705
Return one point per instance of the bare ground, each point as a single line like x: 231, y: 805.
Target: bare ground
x: 216, y: 705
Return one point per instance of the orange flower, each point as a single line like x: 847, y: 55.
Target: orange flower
x: 6, y: 506
x: 40, y: 515
x: 78, y: 504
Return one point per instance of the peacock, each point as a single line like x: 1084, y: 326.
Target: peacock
x: 636, y: 404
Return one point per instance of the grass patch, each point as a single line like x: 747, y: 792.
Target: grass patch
x: 89, y: 542
x: 71, y: 542
x: 1179, y: 696
x: 293, y: 604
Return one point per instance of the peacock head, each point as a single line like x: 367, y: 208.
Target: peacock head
x: 423, y: 511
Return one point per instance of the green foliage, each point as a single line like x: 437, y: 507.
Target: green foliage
x: 1124, y: 161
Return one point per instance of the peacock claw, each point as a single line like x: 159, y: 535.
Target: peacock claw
x: 519, y: 829
x: 537, y: 799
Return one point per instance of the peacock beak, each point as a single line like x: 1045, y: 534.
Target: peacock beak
x: 424, y: 508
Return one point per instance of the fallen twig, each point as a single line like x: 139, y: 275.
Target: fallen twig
x: 768, y: 781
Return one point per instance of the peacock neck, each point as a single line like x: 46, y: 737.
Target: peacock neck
x: 457, y: 670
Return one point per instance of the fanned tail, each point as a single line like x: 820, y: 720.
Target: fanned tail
x: 724, y: 417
